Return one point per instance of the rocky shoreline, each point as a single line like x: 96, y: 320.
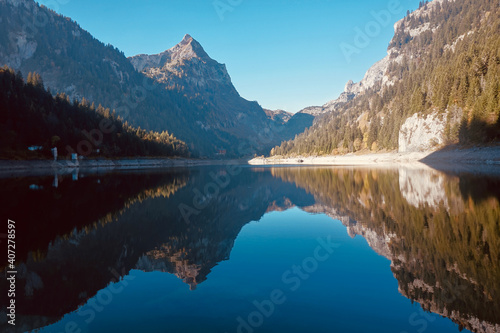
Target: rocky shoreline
x: 447, y: 156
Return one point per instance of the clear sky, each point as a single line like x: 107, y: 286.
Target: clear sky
x: 285, y: 54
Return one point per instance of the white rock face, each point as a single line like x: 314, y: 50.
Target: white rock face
x: 374, y: 75
x: 420, y: 133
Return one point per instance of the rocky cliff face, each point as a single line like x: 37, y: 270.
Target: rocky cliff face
x: 21, y: 46
x: 378, y: 72
x: 422, y: 133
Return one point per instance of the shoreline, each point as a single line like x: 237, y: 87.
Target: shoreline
x: 341, y: 160
x: 14, y: 167
x: 449, y: 158
x: 445, y: 157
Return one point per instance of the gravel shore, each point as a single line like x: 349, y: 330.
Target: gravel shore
x: 449, y: 155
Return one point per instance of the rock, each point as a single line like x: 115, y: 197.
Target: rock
x: 420, y: 133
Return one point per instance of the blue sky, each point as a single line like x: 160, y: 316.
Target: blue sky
x: 285, y: 54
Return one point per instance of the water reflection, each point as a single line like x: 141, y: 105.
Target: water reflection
x: 441, y: 232
x: 442, y: 239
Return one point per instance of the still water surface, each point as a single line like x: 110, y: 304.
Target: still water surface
x: 229, y: 249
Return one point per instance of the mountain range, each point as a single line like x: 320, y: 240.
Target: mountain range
x: 438, y: 85
x: 182, y: 90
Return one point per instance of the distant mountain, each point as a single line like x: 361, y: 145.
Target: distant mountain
x: 293, y: 123
x: 181, y: 91
x: 279, y: 116
x: 332, y: 105
x: 189, y: 70
x: 443, y: 61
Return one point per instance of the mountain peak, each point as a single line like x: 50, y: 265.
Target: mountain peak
x: 187, y: 38
x: 187, y: 49
x: 183, y: 64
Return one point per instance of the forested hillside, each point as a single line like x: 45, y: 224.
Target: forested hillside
x: 30, y: 116
x: 445, y: 59
x: 210, y: 117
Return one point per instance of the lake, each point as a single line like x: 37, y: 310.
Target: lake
x: 243, y: 249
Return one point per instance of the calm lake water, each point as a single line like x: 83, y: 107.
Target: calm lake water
x: 232, y: 249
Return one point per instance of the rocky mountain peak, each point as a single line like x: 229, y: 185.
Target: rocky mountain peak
x: 187, y: 39
x: 187, y: 49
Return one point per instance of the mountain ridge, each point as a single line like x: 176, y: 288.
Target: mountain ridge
x: 200, y: 107
x: 444, y: 61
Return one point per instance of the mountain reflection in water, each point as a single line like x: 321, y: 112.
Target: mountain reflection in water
x: 440, y: 231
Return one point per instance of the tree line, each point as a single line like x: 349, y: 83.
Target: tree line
x: 31, y: 116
